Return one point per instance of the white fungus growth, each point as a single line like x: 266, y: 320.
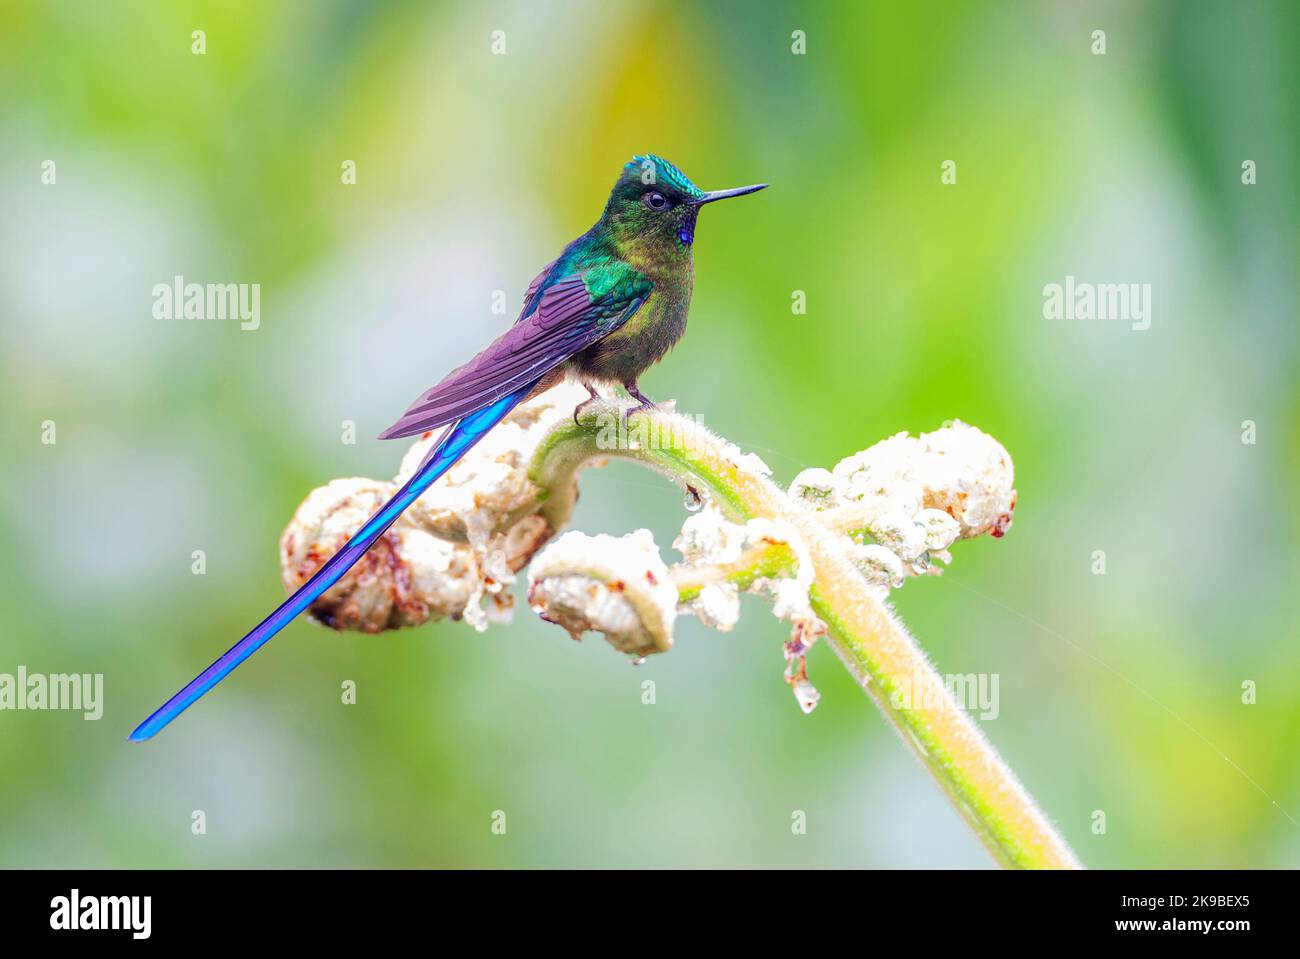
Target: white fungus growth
x: 454, y: 553
x: 717, y: 606
x: 709, y: 539
x: 939, y: 528
x: 879, y: 564
x: 897, y: 508
x: 957, y: 470
x: 790, y: 594
x: 409, y: 577
x: 490, y: 483
x: 816, y: 487
x: 617, y: 586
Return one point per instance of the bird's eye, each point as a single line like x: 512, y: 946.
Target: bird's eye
x: 655, y: 200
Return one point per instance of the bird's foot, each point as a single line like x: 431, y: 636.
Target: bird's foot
x: 577, y: 410
x: 643, y: 402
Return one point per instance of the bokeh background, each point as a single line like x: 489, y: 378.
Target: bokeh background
x: 1119, y: 692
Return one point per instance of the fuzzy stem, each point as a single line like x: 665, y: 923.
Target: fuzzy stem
x: 869, y: 639
x: 769, y: 561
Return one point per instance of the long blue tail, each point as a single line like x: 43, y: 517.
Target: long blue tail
x: 453, y: 446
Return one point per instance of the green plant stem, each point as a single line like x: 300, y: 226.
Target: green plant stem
x: 869, y: 639
x: 769, y: 561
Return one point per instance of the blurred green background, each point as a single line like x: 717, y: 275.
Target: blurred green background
x: 1119, y: 692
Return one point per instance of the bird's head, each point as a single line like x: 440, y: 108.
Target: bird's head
x: 652, y: 210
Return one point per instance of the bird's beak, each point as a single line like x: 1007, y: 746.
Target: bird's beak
x: 725, y: 194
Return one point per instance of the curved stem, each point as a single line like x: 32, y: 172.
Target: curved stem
x: 870, y: 641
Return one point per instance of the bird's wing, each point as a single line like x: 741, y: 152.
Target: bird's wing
x: 568, y: 317
x: 536, y: 285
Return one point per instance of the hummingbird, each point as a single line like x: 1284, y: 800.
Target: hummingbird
x: 602, y: 313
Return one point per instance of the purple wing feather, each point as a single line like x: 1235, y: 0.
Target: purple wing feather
x: 564, y: 321
x: 538, y: 280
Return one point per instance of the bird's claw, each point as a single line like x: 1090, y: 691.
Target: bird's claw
x: 577, y: 410
x: 627, y: 411
x: 644, y: 403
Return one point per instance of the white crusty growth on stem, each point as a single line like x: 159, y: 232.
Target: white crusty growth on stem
x: 454, y: 553
x: 618, y: 586
x: 827, y: 552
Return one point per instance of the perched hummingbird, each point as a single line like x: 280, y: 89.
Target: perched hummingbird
x: 612, y: 304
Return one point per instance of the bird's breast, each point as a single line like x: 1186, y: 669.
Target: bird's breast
x: 642, y: 341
